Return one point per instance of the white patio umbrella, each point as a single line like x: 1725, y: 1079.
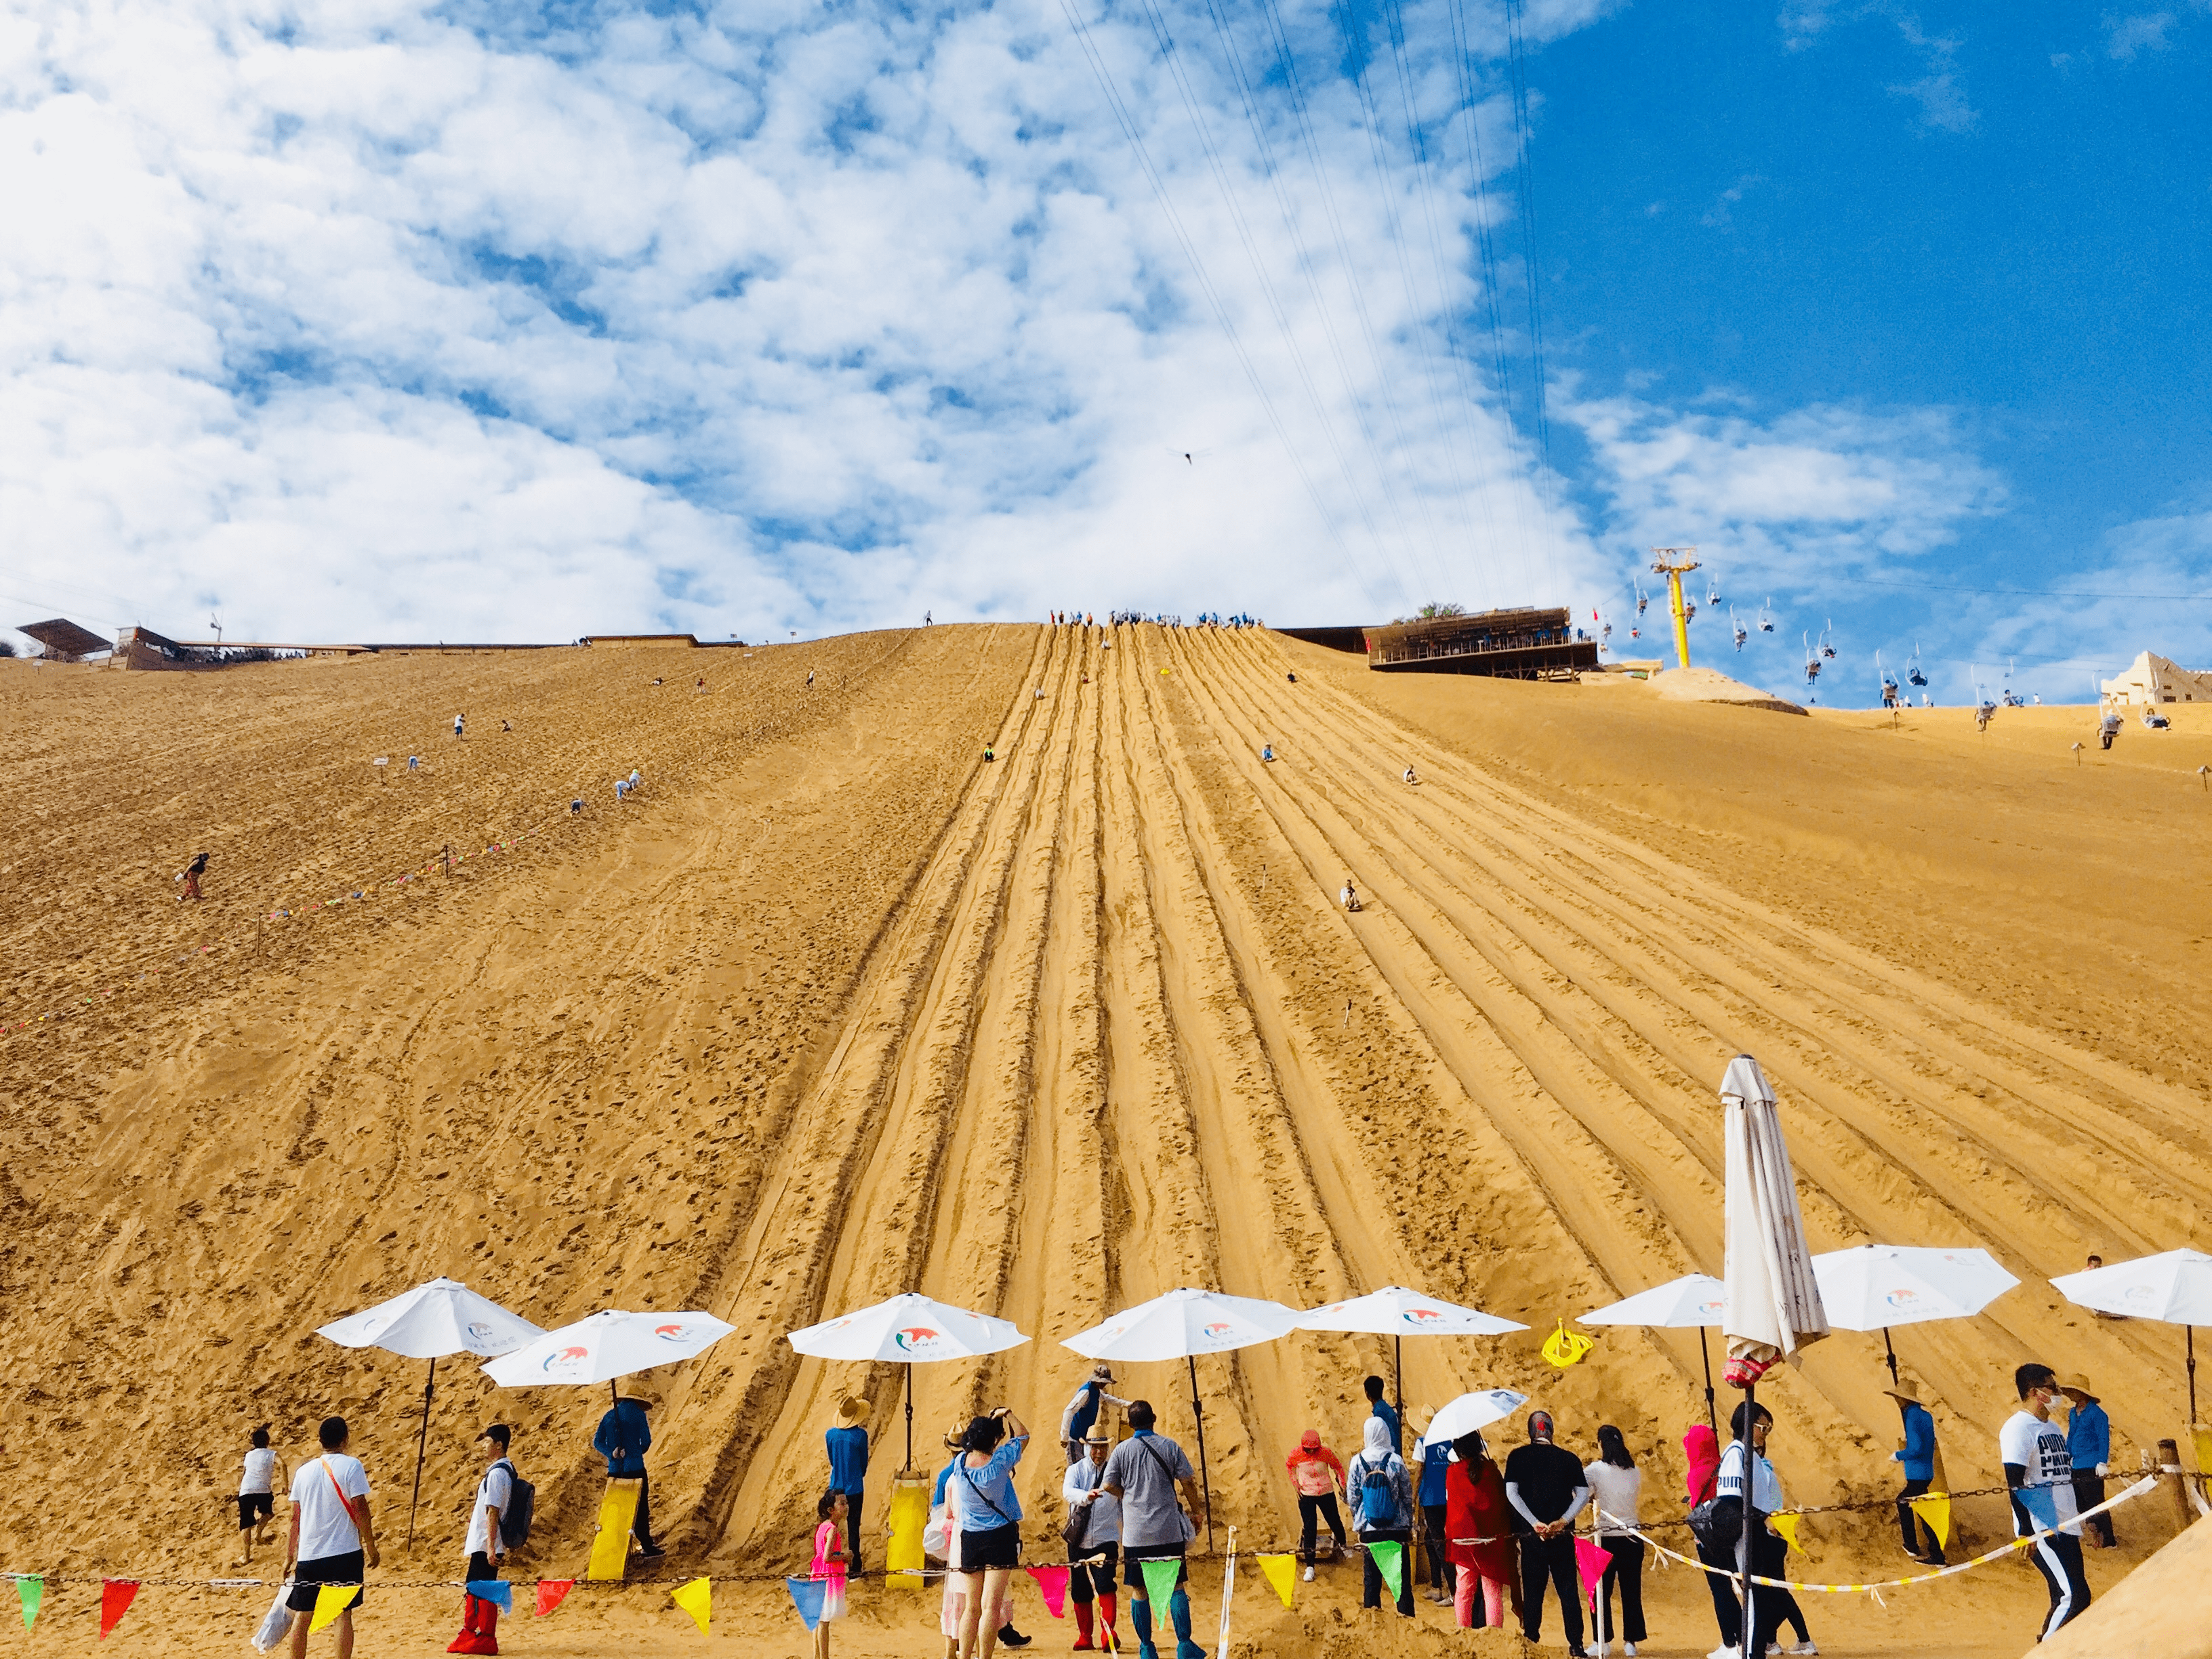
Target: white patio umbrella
x: 442, y: 1317
x: 1181, y: 1325
x: 1397, y: 1313
x: 1696, y: 1300
x: 2174, y: 1287
x: 1773, y: 1301
x: 908, y: 1330
x: 1874, y: 1286
x: 1463, y: 1416
x: 608, y: 1345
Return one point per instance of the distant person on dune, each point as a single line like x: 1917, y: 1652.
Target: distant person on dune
x: 576, y: 806
x: 847, y: 1443
x: 507, y: 726
x: 1317, y: 1476
x: 701, y: 686
x: 2109, y: 727
x: 1081, y: 1412
x: 192, y: 873
x: 257, y: 1493
x: 927, y: 619
x: 623, y: 1437
x: 810, y: 678
x: 1410, y: 778
x: 1267, y: 751
x: 458, y: 722
x: 1351, y: 899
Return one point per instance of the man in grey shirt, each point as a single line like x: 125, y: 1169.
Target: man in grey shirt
x: 1144, y: 1473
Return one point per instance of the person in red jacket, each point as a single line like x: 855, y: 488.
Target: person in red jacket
x: 1481, y: 1526
x: 1318, y: 1477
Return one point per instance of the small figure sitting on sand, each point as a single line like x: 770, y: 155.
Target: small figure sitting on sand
x: 1267, y: 751
x: 1410, y: 778
x: 576, y: 806
x: 989, y: 755
x: 1293, y: 678
x: 2156, y: 721
x: 1350, y: 898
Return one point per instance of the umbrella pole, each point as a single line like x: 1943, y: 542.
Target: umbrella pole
x: 1397, y: 1383
x: 1890, y: 1348
x: 2188, y: 1336
x: 1206, y: 1481
x: 910, y: 1417
x: 1712, y: 1419
x: 1750, y: 1492
x: 423, y: 1446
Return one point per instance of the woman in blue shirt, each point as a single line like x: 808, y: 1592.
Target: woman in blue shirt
x: 987, y: 1513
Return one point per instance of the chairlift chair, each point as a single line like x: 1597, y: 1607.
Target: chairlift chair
x: 1642, y: 598
x: 1766, y: 617
x: 1826, y: 648
x: 1812, y: 660
x: 1913, y: 674
x: 1713, y: 591
x: 1689, y: 611
x: 1739, y: 630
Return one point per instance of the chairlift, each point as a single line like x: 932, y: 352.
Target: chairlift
x: 1642, y: 598
x: 1913, y: 674
x: 1713, y: 592
x: 1689, y: 611
x: 1826, y: 648
x: 1605, y: 634
x: 1741, y: 632
x: 1889, y: 683
x: 1812, y: 660
x: 1766, y: 617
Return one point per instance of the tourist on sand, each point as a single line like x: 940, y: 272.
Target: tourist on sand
x: 1746, y: 1470
x: 1429, y: 1494
x: 624, y: 1436
x: 495, y: 1499
x: 701, y: 686
x: 333, y: 1538
x: 1383, y: 1512
x: 1378, y: 1407
x: 2039, y: 1471
x: 1701, y: 1451
x: 1919, y: 1457
x: 456, y: 724
x: 1082, y: 1411
x: 257, y: 1493
x: 414, y: 762
x: 1410, y: 778
x: 1145, y: 1472
x: 830, y: 1512
x: 848, y: 1443
x: 1351, y: 899
x: 987, y: 1514
x: 1545, y: 1485
x: 1318, y: 1477
x: 954, y: 1612
x: 2109, y: 727
x: 191, y: 875
x: 1267, y: 751
x: 1478, y: 1522
x: 1090, y: 1568
x: 810, y: 678
x: 576, y: 806
x: 1617, y: 1486
x: 2089, y: 1445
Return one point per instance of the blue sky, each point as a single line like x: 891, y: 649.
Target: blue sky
x: 368, y: 318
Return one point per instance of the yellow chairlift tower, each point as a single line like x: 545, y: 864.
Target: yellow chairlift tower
x: 1674, y: 563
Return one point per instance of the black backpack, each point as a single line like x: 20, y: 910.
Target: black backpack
x: 514, y: 1519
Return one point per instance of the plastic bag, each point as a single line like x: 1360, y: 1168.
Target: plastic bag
x: 278, y: 1625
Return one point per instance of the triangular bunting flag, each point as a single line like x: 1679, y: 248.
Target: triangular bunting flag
x: 806, y: 1595
x: 1277, y: 1571
x: 1053, y: 1582
x: 1590, y: 1557
x: 331, y: 1600
x: 1787, y: 1526
x: 1935, y: 1509
x: 1160, y: 1580
x: 697, y: 1599
x: 30, y: 1590
x: 551, y: 1592
x: 115, y: 1595
x: 1390, y: 1561
x: 497, y: 1591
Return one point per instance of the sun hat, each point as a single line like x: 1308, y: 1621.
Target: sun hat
x: 851, y: 1411
x: 1907, y: 1392
x: 2075, y: 1383
x: 643, y: 1394
x: 1098, y: 1436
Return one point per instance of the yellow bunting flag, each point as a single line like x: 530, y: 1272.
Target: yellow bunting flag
x: 1277, y: 1569
x: 1563, y: 1348
x: 1787, y: 1526
x: 1935, y: 1509
x: 331, y: 1600
x: 611, y: 1549
x: 697, y: 1599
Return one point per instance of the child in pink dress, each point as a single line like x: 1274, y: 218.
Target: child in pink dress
x: 828, y: 1565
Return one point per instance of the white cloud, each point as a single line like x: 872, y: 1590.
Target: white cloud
x: 2125, y: 36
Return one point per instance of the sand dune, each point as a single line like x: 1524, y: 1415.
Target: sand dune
x: 835, y: 1009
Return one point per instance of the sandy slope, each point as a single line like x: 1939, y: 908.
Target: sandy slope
x: 836, y: 1010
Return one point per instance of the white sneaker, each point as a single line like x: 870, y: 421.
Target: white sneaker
x: 1629, y: 1648
x: 1310, y: 1575
x: 1803, y: 1647
x: 1725, y: 1653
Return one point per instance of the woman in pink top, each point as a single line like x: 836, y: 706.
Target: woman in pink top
x: 828, y: 1565
x: 1318, y: 1477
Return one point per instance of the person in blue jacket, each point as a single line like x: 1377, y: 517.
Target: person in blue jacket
x: 847, y: 1445
x: 1918, y: 1457
x: 2090, y: 1442
x: 623, y: 1438
x: 1434, y: 1461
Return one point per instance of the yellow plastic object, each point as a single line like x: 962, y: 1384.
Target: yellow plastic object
x: 611, y: 1549
x: 1563, y: 1348
x: 903, y: 1560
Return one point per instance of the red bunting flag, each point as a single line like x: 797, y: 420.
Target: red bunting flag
x: 550, y: 1593
x: 115, y: 1595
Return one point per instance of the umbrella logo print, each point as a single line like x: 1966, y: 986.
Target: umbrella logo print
x: 478, y: 1331
x: 567, y: 1358
x: 1712, y: 1309
x: 1419, y: 1317
x: 672, y: 1332
x: 1902, y: 1299
x: 1219, y: 1330
x: 915, y: 1339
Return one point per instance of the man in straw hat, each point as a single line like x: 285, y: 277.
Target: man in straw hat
x: 1091, y: 1565
x: 1075, y: 1422
x: 1919, y: 1457
x: 2089, y: 1444
x: 848, y: 1443
x: 624, y: 1436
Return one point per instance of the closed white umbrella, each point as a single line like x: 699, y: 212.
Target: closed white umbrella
x: 908, y: 1330
x: 2174, y: 1287
x: 442, y: 1317
x: 1874, y: 1286
x: 1697, y: 1300
x: 1398, y: 1313
x: 608, y: 1345
x: 1181, y: 1325
x: 1463, y: 1416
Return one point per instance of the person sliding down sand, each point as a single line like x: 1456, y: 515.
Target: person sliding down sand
x: 1410, y: 778
x: 1351, y: 899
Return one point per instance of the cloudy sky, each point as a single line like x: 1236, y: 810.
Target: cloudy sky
x: 371, y: 319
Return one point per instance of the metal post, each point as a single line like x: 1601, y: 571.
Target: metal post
x: 1745, y: 1636
x: 909, y: 1415
x: 2189, y: 1336
x: 421, y: 1447
x: 1206, y: 1481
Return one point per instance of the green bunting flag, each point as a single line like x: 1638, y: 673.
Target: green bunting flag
x: 1390, y: 1561
x: 30, y: 1590
x: 1160, y: 1579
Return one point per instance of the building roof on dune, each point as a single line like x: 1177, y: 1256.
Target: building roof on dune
x: 1524, y: 640
x: 64, y: 641
x: 641, y: 639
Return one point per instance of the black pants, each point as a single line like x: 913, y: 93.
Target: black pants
x: 640, y: 1524
x: 1309, y: 1509
x: 1089, y: 1579
x: 1912, y: 1527
x: 1769, y: 1606
x: 2058, y: 1558
x: 1552, y: 1560
x: 852, y: 1531
x: 1441, y: 1571
x: 1371, y: 1575
x: 2088, y: 1492
x: 1726, y: 1612
x: 1624, y: 1566
x: 481, y: 1570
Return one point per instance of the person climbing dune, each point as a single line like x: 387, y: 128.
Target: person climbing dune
x: 1350, y: 897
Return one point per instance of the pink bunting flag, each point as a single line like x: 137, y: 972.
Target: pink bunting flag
x: 1053, y: 1582
x: 1592, y: 1560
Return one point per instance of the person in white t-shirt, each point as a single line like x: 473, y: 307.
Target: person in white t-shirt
x: 494, y: 1498
x: 332, y: 1541
x: 2039, y: 1470
x: 258, y: 1481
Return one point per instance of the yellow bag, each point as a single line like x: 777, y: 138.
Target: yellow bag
x: 1563, y: 1348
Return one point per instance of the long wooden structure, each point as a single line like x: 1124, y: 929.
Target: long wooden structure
x: 1524, y: 643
